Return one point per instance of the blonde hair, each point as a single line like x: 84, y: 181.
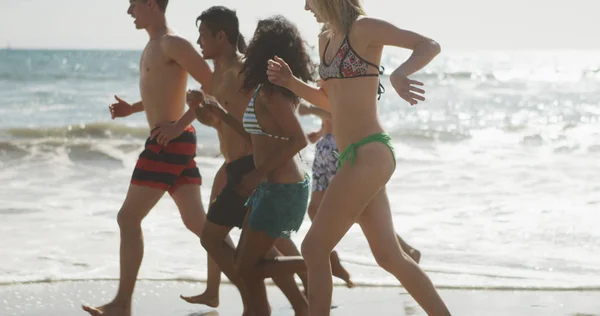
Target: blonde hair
x: 338, y: 15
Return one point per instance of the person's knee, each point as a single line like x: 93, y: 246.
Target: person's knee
x: 128, y: 219
x: 209, y: 238
x: 193, y: 224
x: 390, y: 259
x: 313, y: 251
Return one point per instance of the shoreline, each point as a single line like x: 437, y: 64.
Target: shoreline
x: 336, y: 284
x: 160, y: 297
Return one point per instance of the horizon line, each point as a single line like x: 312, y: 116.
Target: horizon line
x: 465, y: 49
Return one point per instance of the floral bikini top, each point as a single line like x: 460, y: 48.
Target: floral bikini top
x: 348, y: 64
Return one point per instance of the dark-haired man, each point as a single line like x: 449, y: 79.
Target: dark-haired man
x: 221, y: 41
x: 167, y: 162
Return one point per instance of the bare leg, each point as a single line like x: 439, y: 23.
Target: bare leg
x: 352, y: 190
x: 189, y: 202
x: 219, y: 246
x: 336, y: 265
x: 210, y: 297
x: 287, y: 284
x: 376, y: 223
x: 254, y: 247
x: 287, y: 248
x: 138, y: 203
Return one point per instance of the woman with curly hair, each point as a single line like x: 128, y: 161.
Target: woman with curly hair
x: 278, y: 189
x: 350, y: 52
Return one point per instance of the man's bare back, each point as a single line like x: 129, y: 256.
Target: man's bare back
x: 162, y: 84
x: 226, y: 88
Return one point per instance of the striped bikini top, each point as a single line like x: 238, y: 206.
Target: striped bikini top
x: 347, y: 63
x: 250, y: 122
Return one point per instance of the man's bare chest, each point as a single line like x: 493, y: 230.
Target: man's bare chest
x: 153, y: 60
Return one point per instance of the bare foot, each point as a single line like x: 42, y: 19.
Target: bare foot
x: 208, y: 299
x: 110, y: 309
x: 415, y: 255
x: 339, y: 271
x: 345, y: 276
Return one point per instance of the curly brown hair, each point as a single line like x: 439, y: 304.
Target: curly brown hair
x: 275, y: 36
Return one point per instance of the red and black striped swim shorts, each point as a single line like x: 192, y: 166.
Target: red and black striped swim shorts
x: 168, y: 167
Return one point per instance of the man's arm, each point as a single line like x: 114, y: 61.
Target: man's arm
x: 227, y: 118
x: 209, y: 111
x: 123, y: 108
x: 184, y: 54
x: 138, y: 107
x: 187, y: 119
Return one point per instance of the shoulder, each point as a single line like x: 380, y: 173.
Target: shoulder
x: 366, y: 22
x: 278, y: 101
x: 172, y: 43
x: 364, y: 30
x: 233, y: 73
x: 269, y: 96
x: 365, y: 25
x: 236, y: 68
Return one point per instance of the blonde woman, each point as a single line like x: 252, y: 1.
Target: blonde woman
x: 350, y: 51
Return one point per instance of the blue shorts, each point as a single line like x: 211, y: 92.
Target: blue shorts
x: 278, y: 209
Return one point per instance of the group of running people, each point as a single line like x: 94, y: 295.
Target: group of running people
x: 252, y: 97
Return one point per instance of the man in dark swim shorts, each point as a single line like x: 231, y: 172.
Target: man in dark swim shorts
x: 220, y: 40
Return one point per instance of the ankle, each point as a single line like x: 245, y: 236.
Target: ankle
x: 211, y: 293
x: 119, y: 302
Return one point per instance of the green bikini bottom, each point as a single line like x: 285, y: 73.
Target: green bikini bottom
x: 350, y: 152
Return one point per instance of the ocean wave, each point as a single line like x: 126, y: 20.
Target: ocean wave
x: 93, y: 130
x: 430, y: 135
x: 458, y: 75
x: 94, y: 142
x: 505, y: 76
x: 70, y: 76
x: 101, y: 131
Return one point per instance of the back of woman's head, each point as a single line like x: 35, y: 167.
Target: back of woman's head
x: 275, y: 36
x: 339, y: 15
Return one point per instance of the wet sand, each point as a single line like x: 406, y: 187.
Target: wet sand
x: 162, y: 298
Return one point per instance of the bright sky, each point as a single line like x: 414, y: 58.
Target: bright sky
x: 456, y: 24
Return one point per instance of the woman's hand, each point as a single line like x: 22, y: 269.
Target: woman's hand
x: 279, y: 72
x: 406, y: 89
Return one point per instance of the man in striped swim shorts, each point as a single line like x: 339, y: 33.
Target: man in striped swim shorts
x: 168, y: 167
x: 166, y: 164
